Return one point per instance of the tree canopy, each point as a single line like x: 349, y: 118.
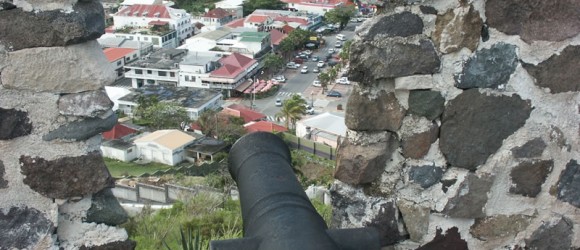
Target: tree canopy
x: 163, y: 115
x: 341, y: 14
x: 273, y: 62
x: 296, y: 40
x: 292, y: 110
x: 250, y: 6
x: 224, y: 127
x: 345, y: 52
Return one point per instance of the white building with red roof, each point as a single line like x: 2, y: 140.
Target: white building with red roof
x: 266, y: 20
x: 232, y: 6
x: 319, y: 7
x: 118, y: 57
x: 148, y: 15
x: 214, y: 18
x: 230, y: 73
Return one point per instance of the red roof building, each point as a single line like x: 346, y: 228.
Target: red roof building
x: 233, y: 65
x: 217, y: 13
x: 114, y: 54
x: 118, y: 131
x: 256, y: 19
x: 145, y: 10
x: 287, y: 19
x: 276, y: 37
x: 287, y: 29
x: 236, y: 23
x: 265, y: 126
x: 244, y: 112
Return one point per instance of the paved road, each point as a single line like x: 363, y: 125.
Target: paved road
x: 297, y: 83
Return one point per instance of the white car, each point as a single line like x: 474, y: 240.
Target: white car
x: 316, y: 83
x: 278, y: 102
x: 292, y: 65
x: 304, y: 70
x: 320, y: 64
x: 331, y: 50
x: 279, y: 78
x: 340, y: 37
x: 343, y: 80
x: 338, y: 44
x: 309, y: 110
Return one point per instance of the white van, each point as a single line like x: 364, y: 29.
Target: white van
x: 340, y: 37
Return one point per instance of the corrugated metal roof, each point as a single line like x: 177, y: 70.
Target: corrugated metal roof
x: 171, y: 138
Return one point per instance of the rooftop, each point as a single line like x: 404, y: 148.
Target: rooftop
x: 215, y: 34
x: 118, y: 131
x: 118, y: 144
x: 200, y: 58
x: 264, y: 126
x: 145, y: 10
x: 217, y: 13
x: 253, y: 18
x: 170, y: 138
x: 185, y: 97
x: 160, y: 59
x: 119, y: 42
x: 327, y: 122
x: 253, y: 36
x: 243, y: 112
x: 114, y: 54
x: 236, y: 23
x: 207, y: 145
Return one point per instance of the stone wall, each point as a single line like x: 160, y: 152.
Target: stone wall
x: 54, y: 185
x: 478, y: 138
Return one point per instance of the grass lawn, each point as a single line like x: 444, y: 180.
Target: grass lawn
x: 118, y: 168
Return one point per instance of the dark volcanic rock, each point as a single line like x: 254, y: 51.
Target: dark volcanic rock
x: 358, y: 164
x: 457, y: 28
x: 535, y: 20
x: 451, y: 240
x: 532, y: 148
x: 106, y: 209
x: 23, y: 228
x: 474, y: 126
x: 401, y: 24
x: 117, y: 245
x: 426, y: 176
x: 470, y: 198
x: 390, y: 58
x: 14, y: 123
x: 528, y: 177
x: 484, y: 32
x: 417, y: 144
x: 66, y: 177
x: 382, y: 113
x: 560, y: 72
x: 445, y: 184
x: 428, y: 10
x: 499, y: 226
x: 89, y: 104
x: 416, y: 218
x: 82, y: 130
x: 386, y: 223
x: 489, y: 68
x: 569, y: 184
x: 6, y: 6
x: 3, y: 183
x: 555, y: 236
x: 427, y: 103
x: 51, y: 28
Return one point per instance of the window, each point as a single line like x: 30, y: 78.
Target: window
x: 129, y: 150
x: 149, y: 72
x: 119, y: 63
x: 138, y: 72
x: 149, y: 81
x: 162, y: 73
x: 172, y: 74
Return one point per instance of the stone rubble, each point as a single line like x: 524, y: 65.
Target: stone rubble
x: 52, y: 75
x: 488, y: 146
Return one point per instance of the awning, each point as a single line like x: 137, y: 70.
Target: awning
x: 244, y: 85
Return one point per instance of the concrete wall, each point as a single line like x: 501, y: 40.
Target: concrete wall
x: 53, y: 181
x: 166, y: 194
x: 477, y: 143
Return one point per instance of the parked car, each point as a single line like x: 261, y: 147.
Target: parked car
x: 331, y: 51
x: 343, y: 81
x: 278, y: 102
x: 320, y: 64
x: 309, y: 110
x: 316, y: 83
x: 340, y: 37
x: 333, y: 93
x: 338, y: 44
x: 292, y: 65
x: 279, y: 78
x: 304, y: 70
x: 316, y: 70
x: 315, y: 58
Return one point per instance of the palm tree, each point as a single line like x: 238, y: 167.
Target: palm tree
x: 292, y: 110
x: 324, y: 78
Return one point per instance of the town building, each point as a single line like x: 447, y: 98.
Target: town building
x: 213, y: 19
x: 159, y: 67
x: 193, y: 100
x: 119, y: 57
x: 164, y: 146
x: 266, y: 20
x: 241, y: 40
x: 326, y: 128
x: 319, y: 7
x: 148, y: 16
x: 234, y: 7
x: 111, y: 41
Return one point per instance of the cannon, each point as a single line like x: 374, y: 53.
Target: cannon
x: 277, y: 214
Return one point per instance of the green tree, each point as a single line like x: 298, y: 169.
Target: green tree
x: 144, y: 102
x: 341, y: 14
x: 273, y: 62
x: 165, y: 115
x: 345, y: 52
x: 333, y: 72
x: 224, y: 127
x: 324, y: 79
x: 292, y: 110
x: 250, y: 6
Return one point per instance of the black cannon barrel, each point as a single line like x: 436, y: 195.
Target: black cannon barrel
x: 276, y: 212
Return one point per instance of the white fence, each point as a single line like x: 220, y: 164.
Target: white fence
x: 166, y: 194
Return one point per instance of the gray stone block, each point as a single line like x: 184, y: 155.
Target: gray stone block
x: 569, y: 184
x: 23, y: 228
x: 559, y: 73
x: 528, y: 177
x: 106, y: 209
x: 82, y: 130
x: 379, y: 114
x: 489, y: 68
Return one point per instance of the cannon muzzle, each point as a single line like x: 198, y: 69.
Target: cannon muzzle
x: 276, y: 212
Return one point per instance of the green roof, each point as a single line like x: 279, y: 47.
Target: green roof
x: 254, y: 34
x: 252, y: 39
